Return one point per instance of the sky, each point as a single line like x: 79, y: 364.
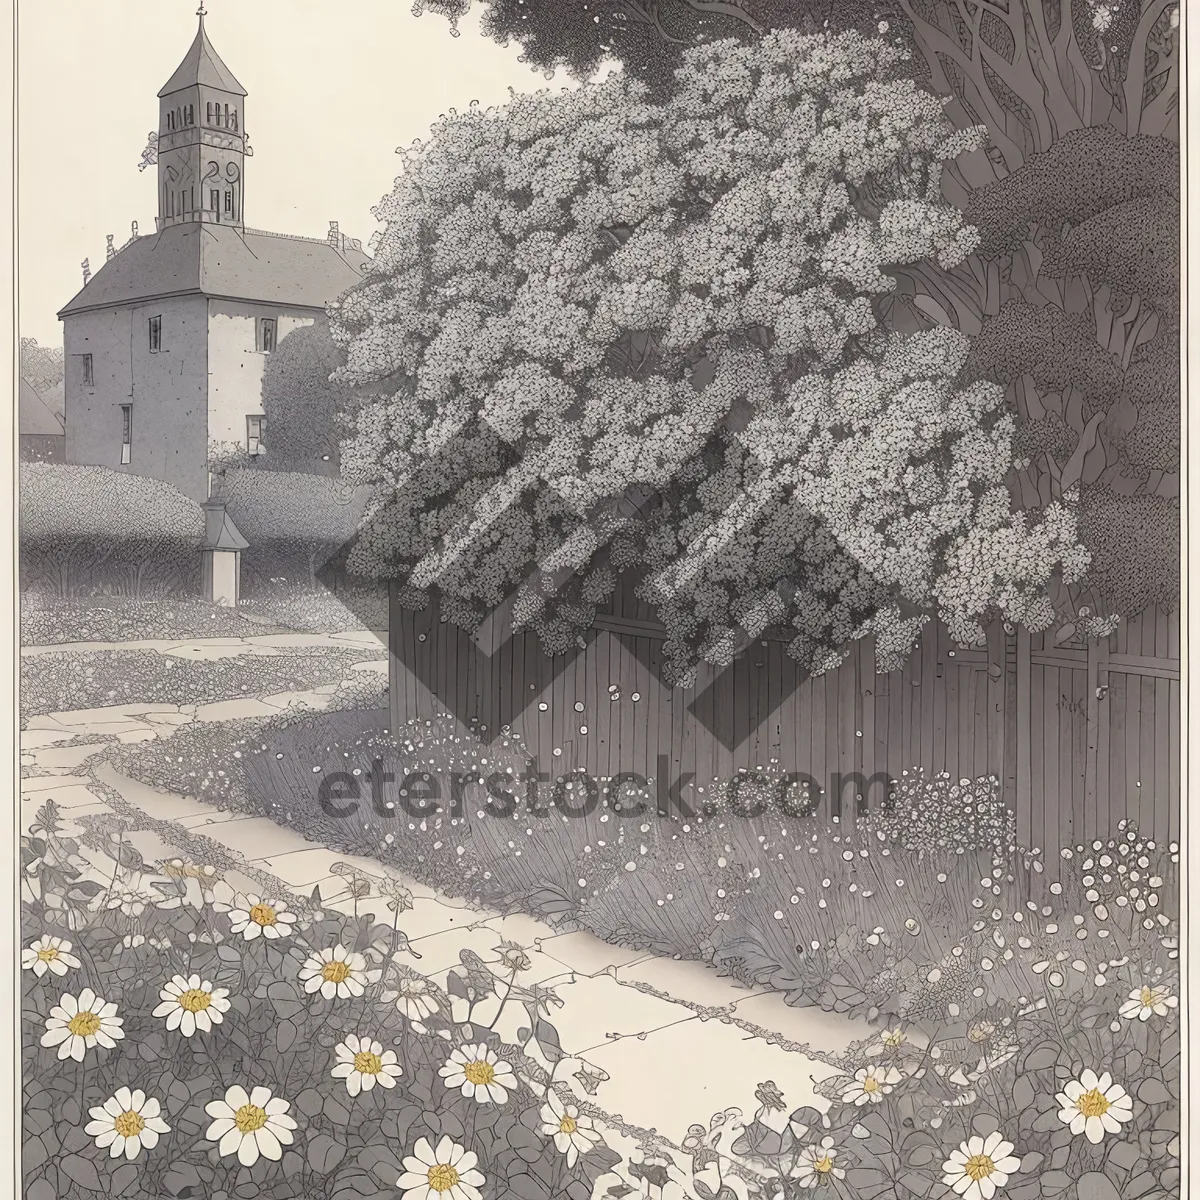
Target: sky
x: 333, y: 89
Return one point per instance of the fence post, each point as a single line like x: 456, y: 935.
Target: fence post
x: 1096, y: 763
x: 1024, y: 796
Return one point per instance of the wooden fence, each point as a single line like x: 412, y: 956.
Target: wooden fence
x: 1079, y: 738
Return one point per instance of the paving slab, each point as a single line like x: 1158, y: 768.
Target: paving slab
x: 683, y: 1073
x: 43, y: 783
x: 812, y: 1024
x: 587, y: 954
x: 64, y: 757
x: 686, y: 980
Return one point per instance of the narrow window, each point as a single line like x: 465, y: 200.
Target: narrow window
x: 88, y: 377
x: 234, y: 125
x: 155, y: 334
x: 266, y: 334
x: 229, y: 203
x: 227, y: 115
x: 208, y: 113
x: 256, y: 432
x: 214, y: 201
x: 126, y: 433
x: 191, y: 114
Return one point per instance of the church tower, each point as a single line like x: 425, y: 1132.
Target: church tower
x: 201, y: 140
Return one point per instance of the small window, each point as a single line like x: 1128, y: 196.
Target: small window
x: 256, y: 433
x: 227, y: 115
x: 170, y: 121
x: 233, y: 120
x: 189, y: 115
x: 155, y: 334
x: 208, y: 113
x: 88, y: 377
x: 229, y: 203
x: 126, y: 433
x: 266, y: 334
x: 214, y: 201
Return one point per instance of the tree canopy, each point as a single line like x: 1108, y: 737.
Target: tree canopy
x: 606, y: 331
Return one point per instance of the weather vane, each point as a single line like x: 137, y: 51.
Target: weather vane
x: 200, y: 10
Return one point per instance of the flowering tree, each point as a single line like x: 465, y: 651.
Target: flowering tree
x: 1035, y: 73
x: 605, y: 333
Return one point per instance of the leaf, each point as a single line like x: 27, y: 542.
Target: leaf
x: 123, y: 1178
x: 550, y: 902
x: 285, y: 998
x: 456, y: 986
x: 324, y: 1153
x: 336, y: 1111
x: 547, y: 1040
x: 1154, y: 1091
x: 81, y: 1171
x: 1096, y: 1186
x: 1046, y: 1055
x: 285, y: 1036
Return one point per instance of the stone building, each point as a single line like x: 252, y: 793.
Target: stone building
x: 165, y: 346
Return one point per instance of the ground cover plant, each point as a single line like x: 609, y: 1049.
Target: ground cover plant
x: 180, y: 1039
x: 277, y: 608
x: 88, y: 679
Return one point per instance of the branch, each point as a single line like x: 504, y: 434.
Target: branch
x: 723, y: 9
x: 1135, y: 76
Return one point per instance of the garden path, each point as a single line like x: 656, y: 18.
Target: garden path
x: 671, y: 1042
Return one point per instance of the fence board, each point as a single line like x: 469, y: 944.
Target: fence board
x: 1070, y: 760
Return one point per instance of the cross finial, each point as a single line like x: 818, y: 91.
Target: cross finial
x: 200, y: 11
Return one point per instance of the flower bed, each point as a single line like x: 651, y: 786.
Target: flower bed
x: 1072, y: 1093
x: 89, y: 679
x: 897, y: 915
x: 179, y: 1039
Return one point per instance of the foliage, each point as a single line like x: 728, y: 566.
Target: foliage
x: 1090, y: 346
x: 1070, y: 93
x: 89, y: 528
x: 264, y: 1021
x: 604, y: 333
x: 42, y: 366
x: 301, y: 404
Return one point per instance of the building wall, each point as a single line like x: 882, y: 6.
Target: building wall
x: 236, y: 364
x: 42, y: 447
x: 167, y: 389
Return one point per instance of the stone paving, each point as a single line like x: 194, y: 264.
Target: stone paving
x: 673, y: 1042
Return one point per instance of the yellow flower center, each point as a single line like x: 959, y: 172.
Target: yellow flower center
x: 49, y: 954
x: 335, y: 972
x: 129, y: 1124
x: 367, y: 1063
x: 568, y: 1125
x: 978, y: 1167
x: 979, y: 1033
x: 443, y: 1177
x: 1093, y: 1103
x: 479, y: 1073
x: 870, y: 1085
x: 893, y: 1039
x: 249, y: 1118
x: 194, y: 1000
x: 824, y: 1166
x: 1147, y: 997
x: 84, y: 1024
x: 262, y: 914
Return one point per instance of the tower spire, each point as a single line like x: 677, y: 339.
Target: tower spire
x: 200, y: 12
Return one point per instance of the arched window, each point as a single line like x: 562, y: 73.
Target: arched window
x: 208, y: 113
x: 234, y: 125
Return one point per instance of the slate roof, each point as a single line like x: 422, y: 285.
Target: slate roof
x: 221, y: 261
x: 36, y: 415
x: 202, y: 65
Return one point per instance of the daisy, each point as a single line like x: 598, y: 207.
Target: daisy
x: 191, y: 1004
x: 893, y: 1039
x: 979, y: 1167
x: 573, y: 1135
x: 336, y: 972
x: 125, y: 1123
x: 815, y: 1165
x: 414, y: 996
x: 478, y: 1072
x: 1147, y: 1002
x: 250, y: 1125
x: 77, y: 1025
x: 131, y: 903
x: 48, y: 954
x: 363, y: 1063
x: 254, y: 917
x: 447, y: 1173
x: 1094, y: 1106
x: 870, y: 1085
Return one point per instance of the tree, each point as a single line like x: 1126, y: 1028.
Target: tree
x: 1035, y: 73
x: 606, y: 332
x: 42, y: 366
x: 301, y: 403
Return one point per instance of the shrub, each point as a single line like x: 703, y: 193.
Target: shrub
x: 196, y: 1013
x: 88, y: 529
x: 603, y: 333
x: 299, y: 526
